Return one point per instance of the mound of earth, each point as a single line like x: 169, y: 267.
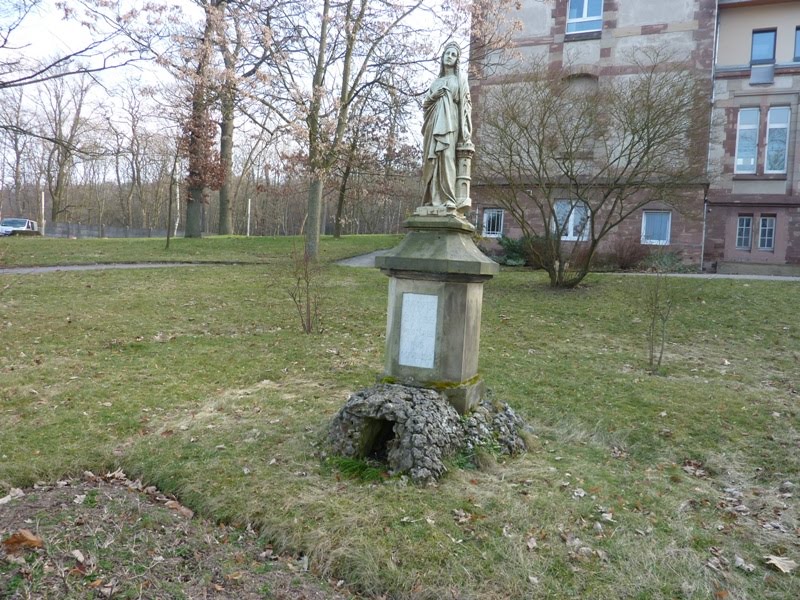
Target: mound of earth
x: 108, y: 537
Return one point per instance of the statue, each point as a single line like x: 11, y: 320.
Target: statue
x: 447, y: 139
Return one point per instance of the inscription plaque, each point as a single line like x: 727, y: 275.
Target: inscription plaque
x: 418, y: 330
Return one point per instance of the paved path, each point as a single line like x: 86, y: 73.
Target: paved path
x: 368, y: 260
x: 32, y: 270
x: 365, y: 260
x: 712, y: 276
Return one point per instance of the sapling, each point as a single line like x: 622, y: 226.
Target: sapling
x: 305, y: 293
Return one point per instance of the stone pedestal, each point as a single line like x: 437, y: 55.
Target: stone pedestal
x: 436, y: 278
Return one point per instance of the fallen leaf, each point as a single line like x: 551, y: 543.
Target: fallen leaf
x: 12, y: 494
x: 781, y: 563
x: 461, y: 516
x: 694, y: 467
x: 24, y: 539
x: 740, y: 563
x: 78, y: 570
x: 179, y: 508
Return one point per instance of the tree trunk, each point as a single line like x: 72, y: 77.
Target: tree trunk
x: 194, y: 214
x: 337, y: 227
x: 314, y: 219
x: 226, y: 157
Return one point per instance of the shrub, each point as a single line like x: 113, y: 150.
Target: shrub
x: 538, y: 253
x: 580, y: 258
x: 663, y: 262
x: 628, y: 253
x: 513, y: 251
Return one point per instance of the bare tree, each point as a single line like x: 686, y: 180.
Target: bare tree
x: 246, y: 40
x: 570, y: 158
x: 376, y: 155
x: 107, y: 47
x: 63, y: 103
x: 342, y: 48
x: 15, y: 147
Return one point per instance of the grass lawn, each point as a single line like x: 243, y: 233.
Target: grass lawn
x: 199, y: 381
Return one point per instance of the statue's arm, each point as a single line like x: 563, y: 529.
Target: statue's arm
x: 432, y: 97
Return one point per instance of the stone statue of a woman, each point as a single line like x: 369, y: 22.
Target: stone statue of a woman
x: 447, y: 125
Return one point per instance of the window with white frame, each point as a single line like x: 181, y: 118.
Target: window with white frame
x: 492, y: 222
x: 777, y: 139
x: 747, y: 141
x: 656, y: 227
x: 571, y: 220
x: 766, y: 233
x: 744, y: 232
x: 584, y: 15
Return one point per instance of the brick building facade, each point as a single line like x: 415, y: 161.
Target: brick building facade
x: 733, y: 47
x: 754, y: 196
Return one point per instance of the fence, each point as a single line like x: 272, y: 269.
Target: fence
x: 77, y: 230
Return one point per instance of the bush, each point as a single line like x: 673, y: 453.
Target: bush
x: 628, y: 253
x: 513, y: 251
x: 663, y: 262
x: 538, y: 253
x: 580, y: 258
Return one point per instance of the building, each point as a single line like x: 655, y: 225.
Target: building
x: 754, y: 151
x: 746, y: 54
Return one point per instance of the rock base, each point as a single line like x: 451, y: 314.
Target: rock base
x: 414, y: 430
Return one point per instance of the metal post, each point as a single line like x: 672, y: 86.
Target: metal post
x: 248, y: 217
x: 705, y: 216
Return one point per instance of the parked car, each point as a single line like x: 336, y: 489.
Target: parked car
x: 18, y: 226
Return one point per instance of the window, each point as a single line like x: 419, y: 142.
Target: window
x: 777, y: 140
x: 744, y: 232
x: 766, y: 234
x: 797, y: 45
x: 584, y: 15
x: 762, y: 51
x: 492, y: 222
x: 656, y: 226
x: 747, y: 141
x: 571, y: 219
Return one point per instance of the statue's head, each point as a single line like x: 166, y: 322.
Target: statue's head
x: 448, y: 51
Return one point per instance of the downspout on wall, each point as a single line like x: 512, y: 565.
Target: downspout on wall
x: 710, y: 126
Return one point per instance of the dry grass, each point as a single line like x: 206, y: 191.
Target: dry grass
x: 199, y: 381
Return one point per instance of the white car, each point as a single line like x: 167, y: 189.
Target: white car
x: 18, y: 226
